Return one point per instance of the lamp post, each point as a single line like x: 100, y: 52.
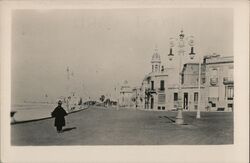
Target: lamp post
x: 198, y: 115
x: 181, y: 41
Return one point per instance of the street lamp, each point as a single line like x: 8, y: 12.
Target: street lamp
x: 192, y: 54
x: 181, y: 45
x: 198, y: 115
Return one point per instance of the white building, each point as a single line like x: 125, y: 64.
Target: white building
x: 159, y: 88
x: 125, y: 98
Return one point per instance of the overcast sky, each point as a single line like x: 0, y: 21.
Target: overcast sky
x: 104, y: 47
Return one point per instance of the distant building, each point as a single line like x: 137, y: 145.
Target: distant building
x: 126, y: 93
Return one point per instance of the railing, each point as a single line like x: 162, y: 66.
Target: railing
x: 152, y: 90
x: 228, y: 80
x: 161, y: 89
x: 213, y: 98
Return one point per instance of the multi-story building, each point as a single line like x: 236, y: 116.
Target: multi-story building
x: 160, y: 88
x: 154, y: 85
x: 189, y: 88
x: 219, y: 88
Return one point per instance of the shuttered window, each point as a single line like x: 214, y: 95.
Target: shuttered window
x: 161, y: 98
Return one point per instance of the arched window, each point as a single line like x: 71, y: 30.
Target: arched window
x: 214, y: 77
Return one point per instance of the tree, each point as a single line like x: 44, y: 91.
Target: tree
x: 80, y: 101
x: 102, y: 98
x: 107, y: 101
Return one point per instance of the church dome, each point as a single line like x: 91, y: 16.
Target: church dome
x: 156, y: 56
x: 125, y: 88
x: 125, y: 83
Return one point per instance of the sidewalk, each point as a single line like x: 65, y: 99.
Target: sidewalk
x: 96, y: 126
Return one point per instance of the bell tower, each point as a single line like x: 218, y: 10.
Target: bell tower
x: 156, y: 61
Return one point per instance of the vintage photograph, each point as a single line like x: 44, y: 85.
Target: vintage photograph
x: 123, y: 76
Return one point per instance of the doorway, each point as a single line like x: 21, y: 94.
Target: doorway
x: 185, y: 104
x: 152, y: 103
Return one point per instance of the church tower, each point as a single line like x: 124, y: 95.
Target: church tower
x: 156, y: 61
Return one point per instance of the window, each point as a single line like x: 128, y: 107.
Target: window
x: 163, y: 108
x: 220, y: 109
x: 214, y: 77
x: 162, y: 85
x: 230, y: 107
x: 230, y: 93
x: 203, y: 80
x: 196, y: 96
x: 162, y: 68
x: 182, y: 78
x: 159, y: 108
x: 161, y: 98
x: 175, y: 96
x: 152, y: 67
x: 152, y: 85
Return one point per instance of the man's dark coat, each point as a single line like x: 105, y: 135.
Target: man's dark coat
x: 59, y: 114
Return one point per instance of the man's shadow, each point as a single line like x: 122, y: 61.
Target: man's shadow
x: 68, y: 129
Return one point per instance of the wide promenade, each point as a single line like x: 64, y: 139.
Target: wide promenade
x: 109, y: 126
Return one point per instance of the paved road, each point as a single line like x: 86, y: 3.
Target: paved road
x: 98, y: 126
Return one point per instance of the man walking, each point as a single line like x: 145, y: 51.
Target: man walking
x: 59, y: 114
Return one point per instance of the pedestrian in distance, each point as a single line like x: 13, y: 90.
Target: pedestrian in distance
x: 59, y: 113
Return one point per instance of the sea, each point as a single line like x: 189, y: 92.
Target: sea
x: 34, y: 111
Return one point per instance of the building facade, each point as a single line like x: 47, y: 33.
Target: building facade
x: 189, y: 88
x: 159, y: 90
x: 154, y: 85
x: 219, y: 87
x: 126, y: 94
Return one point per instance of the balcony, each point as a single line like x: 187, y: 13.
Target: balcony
x: 213, y: 81
x: 228, y: 80
x: 213, y: 98
x: 161, y: 90
x: 151, y: 90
